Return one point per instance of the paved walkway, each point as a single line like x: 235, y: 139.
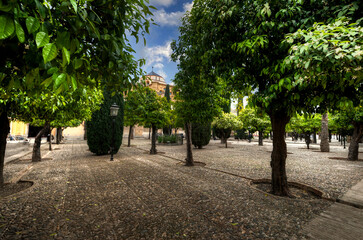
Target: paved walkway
x: 138, y: 196
x: 340, y: 221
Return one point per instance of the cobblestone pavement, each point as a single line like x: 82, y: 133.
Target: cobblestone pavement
x: 77, y: 195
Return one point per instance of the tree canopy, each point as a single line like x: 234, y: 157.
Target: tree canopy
x: 243, y: 43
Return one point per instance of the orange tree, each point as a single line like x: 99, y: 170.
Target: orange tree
x: 65, y: 44
x: 243, y: 42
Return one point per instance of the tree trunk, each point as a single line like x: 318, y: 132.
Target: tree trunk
x: 50, y: 139
x: 189, y: 161
x: 260, y: 138
x: 324, y: 135
x: 226, y: 143
x: 314, y: 137
x: 307, y: 140
x: 149, y: 132
x: 4, y: 130
x: 354, y: 142
x: 153, y: 140
x: 59, y: 135
x: 85, y: 131
x: 36, y: 156
x: 129, y: 138
x: 279, y: 154
x: 330, y: 136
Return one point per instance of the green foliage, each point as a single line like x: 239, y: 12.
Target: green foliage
x: 154, y: 109
x: 331, y: 56
x: 227, y: 121
x: 167, y: 92
x: 134, y: 107
x: 201, y: 134
x: 167, y: 139
x: 224, y: 124
x: 67, y: 109
x: 101, y: 129
x: 305, y: 124
x: 254, y: 119
x: 344, y: 121
x: 69, y: 44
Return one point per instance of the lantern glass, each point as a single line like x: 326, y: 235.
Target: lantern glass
x: 114, y: 110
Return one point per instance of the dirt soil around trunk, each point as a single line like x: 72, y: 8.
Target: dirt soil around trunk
x: 78, y: 195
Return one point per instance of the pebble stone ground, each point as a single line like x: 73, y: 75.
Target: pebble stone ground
x: 77, y: 195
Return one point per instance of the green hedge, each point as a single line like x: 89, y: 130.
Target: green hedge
x: 167, y: 138
x: 201, y: 134
x: 100, y: 129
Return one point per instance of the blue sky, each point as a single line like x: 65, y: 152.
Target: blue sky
x: 157, y: 50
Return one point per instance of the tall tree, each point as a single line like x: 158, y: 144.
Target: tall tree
x: 133, y: 110
x: 243, y: 42
x: 197, y: 98
x: 256, y: 120
x: 49, y: 110
x: 155, y: 113
x: 167, y: 129
x: 104, y: 134
x: 225, y: 123
x: 324, y: 134
x: 306, y: 125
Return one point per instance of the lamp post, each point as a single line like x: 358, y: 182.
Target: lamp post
x: 113, y: 113
x: 249, y: 134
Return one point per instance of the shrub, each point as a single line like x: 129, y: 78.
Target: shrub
x: 100, y: 128
x: 201, y: 134
x: 241, y: 134
x: 167, y: 138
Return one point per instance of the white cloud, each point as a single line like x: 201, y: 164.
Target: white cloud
x: 188, y: 6
x: 155, y: 56
x: 161, y: 2
x: 164, y: 18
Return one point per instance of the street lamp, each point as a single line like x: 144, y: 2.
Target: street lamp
x: 113, y: 113
x: 249, y: 134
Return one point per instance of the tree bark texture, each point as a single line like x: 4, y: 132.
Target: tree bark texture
x: 279, y: 154
x: 129, y: 138
x: 85, y: 131
x: 4, y: 130
x: 314, y: 137
x: 153, y: 140
x: 50, y: 139
x: 189, y: 161
x: 354, y: 142
x: 324, y: 135
x: 260, y: 138
x: 59, y: 135
x: 36, y: 155
x: 307, y: 140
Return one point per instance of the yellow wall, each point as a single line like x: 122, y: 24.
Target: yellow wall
x: 18, y: 128
x: 74, y: 132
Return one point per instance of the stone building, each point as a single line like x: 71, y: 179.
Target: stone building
x: 157, y: 83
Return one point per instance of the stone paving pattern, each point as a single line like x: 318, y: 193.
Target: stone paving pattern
x: 138, y: 196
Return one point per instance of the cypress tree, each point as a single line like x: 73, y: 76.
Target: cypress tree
x: 167, y: 129
x: 100, y: 129
x: 201, y: 134
x: 167, y: 92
